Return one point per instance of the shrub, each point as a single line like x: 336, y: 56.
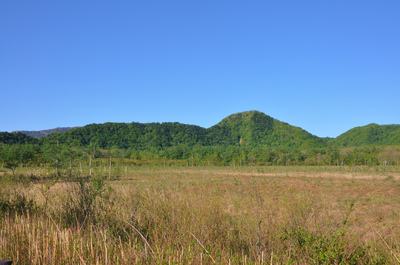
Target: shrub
x: 84, y: 201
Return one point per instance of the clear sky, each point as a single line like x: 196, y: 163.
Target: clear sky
x: 324, y: 66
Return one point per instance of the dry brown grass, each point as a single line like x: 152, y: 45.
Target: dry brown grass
x: 251, y: 215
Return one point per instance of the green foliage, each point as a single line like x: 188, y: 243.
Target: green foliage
x: 16, y: 138
x: 251, y: 128
x: 84, y: 197
x: 254, y: 128
x: 247, y: 138
x: 330, y: 247
x: 327, y: 249
x: 14, y: 155
x: 135, y: 135
x: 21, y: 205
x: 246, y: 129
x: 11, y: 200
x: 372, y: 134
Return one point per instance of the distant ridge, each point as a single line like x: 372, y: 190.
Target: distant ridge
x: 44, y: 133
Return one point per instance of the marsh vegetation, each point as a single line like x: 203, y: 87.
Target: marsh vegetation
x: 202, y: 215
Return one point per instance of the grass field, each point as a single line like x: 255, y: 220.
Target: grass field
x: 203, y: 215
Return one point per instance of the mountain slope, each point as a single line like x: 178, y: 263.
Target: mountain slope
x: 253, y: 128
x: 250, y: 129
x: 372, y: 134
x: 135, y: 135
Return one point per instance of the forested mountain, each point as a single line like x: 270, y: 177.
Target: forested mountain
x: 43, y: 133
x: 134, y: 135
x: 254, y: 128
x: 372, y: 134
x: 249, y: 129
x: 250, y: 137
x: 16, y: 138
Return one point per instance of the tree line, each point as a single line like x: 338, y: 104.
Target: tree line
x: 248, y: 138
x: 57, y: 154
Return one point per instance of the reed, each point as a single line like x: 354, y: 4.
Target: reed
x: 157, y: 215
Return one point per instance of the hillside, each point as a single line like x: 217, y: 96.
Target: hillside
x: 372, y: 134
x: 254, y: 128
x: 16, y: 138
x: 251, y: 129
x: 135, y: 135
x: 44, y: 133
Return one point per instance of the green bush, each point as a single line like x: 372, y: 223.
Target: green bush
x: 85, y: 201
x: 20, y: 204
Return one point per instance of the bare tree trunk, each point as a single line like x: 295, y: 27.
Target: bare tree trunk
x: 70, y: 166
x: 57, y: 160
x: 90, y: 166
x: 109, y: 172
x: 91, y: 157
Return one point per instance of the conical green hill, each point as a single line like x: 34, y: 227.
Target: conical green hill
x: 253, y: 128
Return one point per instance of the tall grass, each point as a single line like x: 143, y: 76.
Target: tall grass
x: 200, y: 216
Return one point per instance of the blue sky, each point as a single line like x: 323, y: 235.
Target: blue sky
x: 324, y: 66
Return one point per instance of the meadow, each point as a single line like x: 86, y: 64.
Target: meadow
x: 202, y: 215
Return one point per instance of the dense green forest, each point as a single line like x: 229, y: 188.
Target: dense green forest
x: 17, y: 138
x: 248, y: 129
x: 372, y: 134
x: 133, y: 135
x: 247, y: 138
